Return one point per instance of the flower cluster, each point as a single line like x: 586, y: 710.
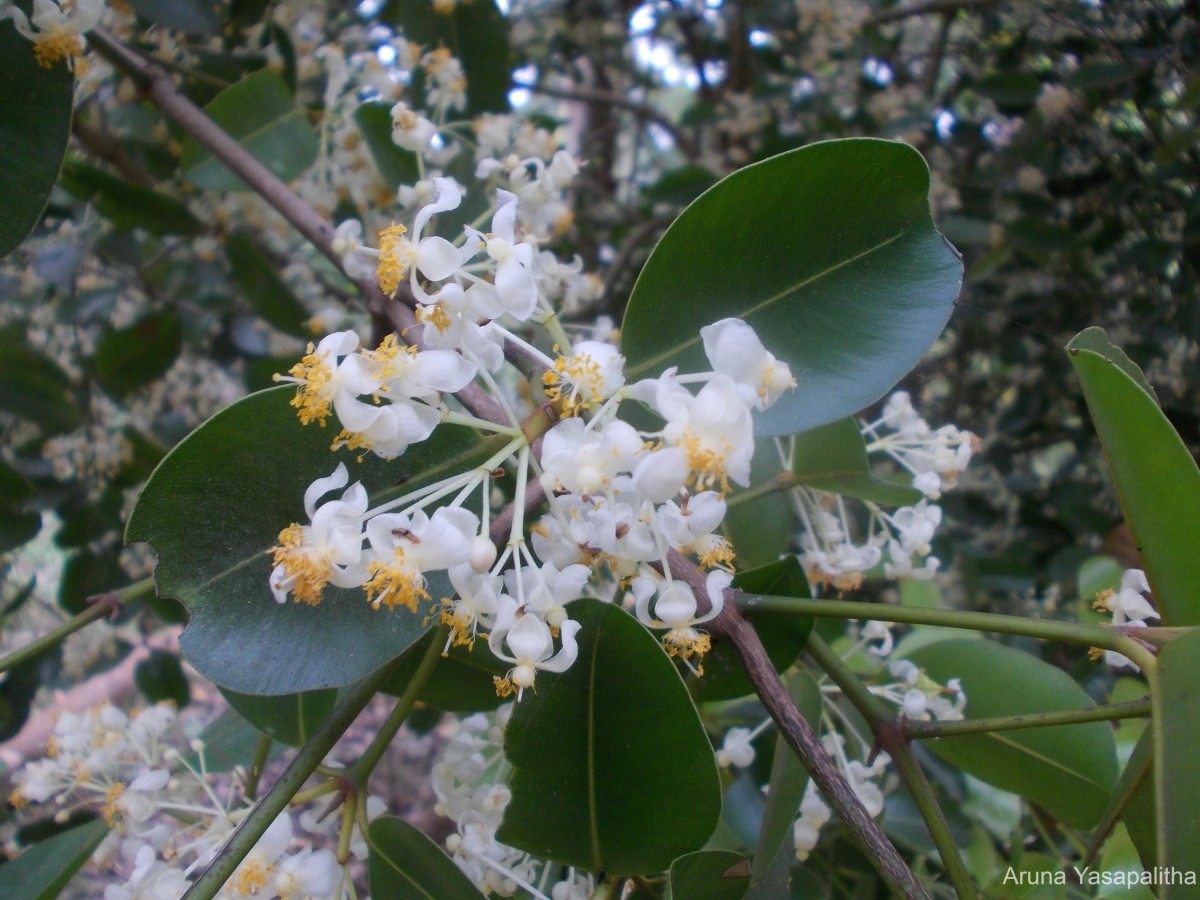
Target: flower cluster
x: 1129, y: 608
x: 901, y: 539
x: 166, y: 819
x: 469, y: 783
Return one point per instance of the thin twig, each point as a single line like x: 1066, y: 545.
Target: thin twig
x: 800, y: 735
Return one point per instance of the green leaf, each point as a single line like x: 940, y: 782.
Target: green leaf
x: 35, y: 121
x: 1070, y: 770
x: 783, y: 634
x: 475, y: 32
x: 230, y: 741
x: 135, y: 356
x: 213, y: 509
x: 789, y: 779
x: 1157, y: 480
x: 1133, y: 803
x: 259, y: 113
x: 602, y: 783
x: 160, y: 677
x: 127, y: 205
x: 396, y: 165
x: 42, y: 871
x: 828, y: 251
x: 833, y: 458
x: 1096, y: 340
x: 289, y: 719
x: 404, y: 864
x: 761, y: 528
x: 460, y: 682
x: 188, y: 16
x: 33, y: 387
x: 262, y: 287
x: 1176, y: 727
x: 708, y: 875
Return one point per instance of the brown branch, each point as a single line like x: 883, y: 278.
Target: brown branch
x: 104, y: 147
x: 943, y: 7
x: 799, y: 734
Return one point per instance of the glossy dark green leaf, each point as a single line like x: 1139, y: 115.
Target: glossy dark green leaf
x: 760, y: 529
x: 1133, y: 803
x: 1176, y: 726
x: 612, y: 770
x: 406, y: 865
x: 1070, y: 770
x: 460, y: 682
x: 1157, y: 480
x: 828, y: 251
x: 708, y: 875
x: 188, y: 16
x: 789, y: 779
x: 35, y: 121
x: 475, y: 32
x: 160, y: 677
x: 833, y: 458
x: 229, y: 742
x: 135, y: 356
x: 31, y: 386
x: 262, y: 286
x: 42, y: 871
x: 214, y: 508
x: 261, y: 115
x: 127, y: 205
x: 396, y: 165
x: 782, y: 634
x: 289, y: 719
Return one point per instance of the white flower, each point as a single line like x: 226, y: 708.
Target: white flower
x: 513, y: 284
x: 1129, y: 608
x: 411, y: 130
x: 590, y: 375
x: 734, y: 349
x: 56, y: 31
x: 546, y: 591
x: 256, y: 871
x: 326, y: 551
x: 524, y: 640
x: 712, y: 428
x: 676, y: 608
x: 737, y: 749
x: 407, y: 546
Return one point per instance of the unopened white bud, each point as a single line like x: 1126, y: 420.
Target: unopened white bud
x: 483, y: 554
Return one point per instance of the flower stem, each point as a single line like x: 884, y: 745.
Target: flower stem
x: 1065, y: 632
x: 1134, y: 709
x: 261, y: 754
x: 101, y: 606
x: 265, y: 812
x: 358, y: 772
x: 456, y: 418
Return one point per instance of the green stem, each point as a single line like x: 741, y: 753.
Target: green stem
x: 456, y: 418
x: 276, y: 799
x: 871, y: 707
x: 783, y: 481
x: 261, y: 754
x: 360, y: 770
x: 1134, y: 709
x: 890, y: 737
x: 101, y: 606
x: 1067, y: 632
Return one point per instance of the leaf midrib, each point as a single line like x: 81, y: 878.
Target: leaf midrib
x: 1029, y: 751
x: 667, y: 354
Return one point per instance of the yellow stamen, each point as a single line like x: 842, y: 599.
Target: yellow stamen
x: 314, y: 398
x: 434, y: 315
x: 395, y: 257
x: 307, y: 571
x: 110, y: 808
x: 504, y: 686
x: 395, y: 584
x: 49, y: 47
x: 251, y: 877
